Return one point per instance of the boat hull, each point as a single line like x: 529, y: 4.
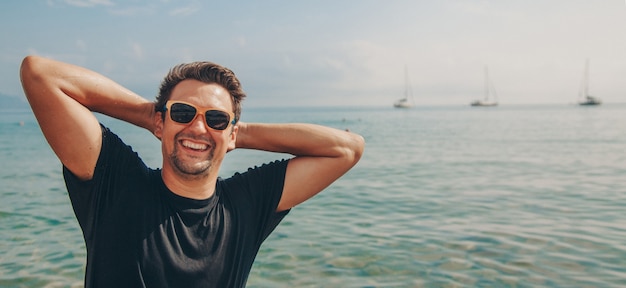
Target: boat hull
x: 590, y: 101
x: 483, y: 104
x: 402, y: 103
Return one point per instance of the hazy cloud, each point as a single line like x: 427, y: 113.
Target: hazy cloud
x: 190, y: 9
x: 241, y: 41
x: 319, y: 50
x: 88, y: 3
x: 133, y: 10
x: 81, y: 45
x: 137, y: 50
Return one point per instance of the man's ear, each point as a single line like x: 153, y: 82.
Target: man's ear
x: 233, y: 138
x: 158, y: 124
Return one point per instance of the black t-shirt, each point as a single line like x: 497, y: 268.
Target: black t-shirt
x: 140, y: 234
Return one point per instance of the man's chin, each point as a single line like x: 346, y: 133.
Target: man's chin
x: 194, y: 170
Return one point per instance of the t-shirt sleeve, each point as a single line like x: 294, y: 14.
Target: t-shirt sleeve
x: 111, y: 171
x: 262, y: 187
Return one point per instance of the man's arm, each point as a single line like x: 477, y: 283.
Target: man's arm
x: 323, y: 155
x: 63, y: 96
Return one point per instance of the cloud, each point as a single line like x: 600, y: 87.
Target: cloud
x: 137, y: 50
x: 113, y: 8
x: 108, y: 67
x: 241, y: 41
x: 81, y: 45
x: 88, y: 3
x: 186, y: 10
x: 133, y: 11
x: 186, y: 55
x: 535, y: 50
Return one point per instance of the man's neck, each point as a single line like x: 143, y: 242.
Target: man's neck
x: 197, y: 187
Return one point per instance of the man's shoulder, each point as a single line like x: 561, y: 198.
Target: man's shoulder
x: 269, y: 175
x: 275, y: 166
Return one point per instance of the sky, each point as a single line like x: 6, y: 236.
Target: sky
x: 335, y: 53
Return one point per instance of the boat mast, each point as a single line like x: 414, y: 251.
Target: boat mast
x: 486, y: 84
x: 586, y: 81
x: 406, y: 83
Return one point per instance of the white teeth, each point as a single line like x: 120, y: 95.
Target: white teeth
x: 192, y: 145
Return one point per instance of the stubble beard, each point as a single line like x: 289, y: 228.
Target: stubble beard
x: 193, y: 170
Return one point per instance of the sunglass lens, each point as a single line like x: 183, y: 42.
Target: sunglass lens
x: 182, y: 113
x: 217, y: 120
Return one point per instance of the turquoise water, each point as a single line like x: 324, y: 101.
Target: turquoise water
x: 519, y: 196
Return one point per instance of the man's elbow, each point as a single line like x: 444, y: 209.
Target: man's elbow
x: 28, y: 64
x: 26, y: 68
x: 29, y: 71
x: 354, y: 148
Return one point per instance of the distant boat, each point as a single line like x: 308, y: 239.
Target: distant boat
x: 584, y: 99
x: 490, y: 98
x: 404, y: 102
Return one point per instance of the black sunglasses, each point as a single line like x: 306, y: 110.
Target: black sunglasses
x: 183, y: 112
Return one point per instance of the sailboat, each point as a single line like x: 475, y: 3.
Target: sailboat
x: 584, y: 98
x: 404, y: 102
x: 490, y: 99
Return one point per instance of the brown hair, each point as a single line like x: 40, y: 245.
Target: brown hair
x: 207, y: 72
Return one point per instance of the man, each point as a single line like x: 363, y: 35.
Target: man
x: 181, y: 225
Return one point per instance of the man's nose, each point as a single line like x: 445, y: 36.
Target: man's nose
x: 199, y: 124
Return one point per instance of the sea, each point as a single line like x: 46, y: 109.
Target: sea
x: 444, y: 196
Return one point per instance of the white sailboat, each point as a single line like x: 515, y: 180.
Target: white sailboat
x: 490, y: 98
x: 408, y: 93
x: 584, y: 99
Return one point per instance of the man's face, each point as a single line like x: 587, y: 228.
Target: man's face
x: 194, y: 150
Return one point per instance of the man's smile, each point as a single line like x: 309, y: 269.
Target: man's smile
x: 194, y: 145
